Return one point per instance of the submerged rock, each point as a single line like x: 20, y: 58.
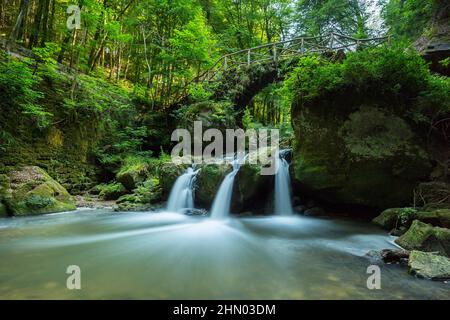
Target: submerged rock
x: 428, y: 265
x: 425, y: 237
x: 32, y: 191
x: 315, y: 212
x: 394, y: 256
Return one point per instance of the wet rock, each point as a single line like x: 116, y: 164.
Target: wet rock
x: 394, y: 256
x: 398, y: 232
x: 31, y: 191
x: 388, y: 219
x: 425, y: 237
x: 208, y: 182
x: 300, y: 208
x: 314, y: 212
x: 429, y: 266
x: 196, y: 212
x: 396, y: 218
x: 168, y: 174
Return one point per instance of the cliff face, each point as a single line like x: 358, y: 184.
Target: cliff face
x: 434, y: 44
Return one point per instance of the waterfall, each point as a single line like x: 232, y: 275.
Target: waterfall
x: 283, y: 204
x: 182, y: 196
x: 222, y: 202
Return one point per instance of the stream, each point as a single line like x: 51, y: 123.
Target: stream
x: 173, y: 256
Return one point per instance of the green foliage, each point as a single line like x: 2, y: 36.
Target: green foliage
x: 408, y: 19
x: 405, y: 215
x: 111, y: 191
x: 391, y: 73
x: 18, y: 87
x: 35, y: 201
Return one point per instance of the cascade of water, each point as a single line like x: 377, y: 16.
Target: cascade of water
x: 222, y: 201
x: 182, y: 196
x: 283, y: 204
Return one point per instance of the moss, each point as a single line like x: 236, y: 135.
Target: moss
x: 3, y: 211
x: 111, y: 191
x: 208, y: 182
x: 425, y: 237
x: 133, y: 172
x: 168, y: 174
x: 389, y: 219
x: 429, y: 266
x: 33, y: 191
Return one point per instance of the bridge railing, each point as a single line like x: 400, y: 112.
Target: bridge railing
x: 280, y: 51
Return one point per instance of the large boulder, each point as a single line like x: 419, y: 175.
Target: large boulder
x: 358, y: 137
x: 364, y: 156
x: 208, y: 182
x: 168, y: 174
x: 31, y: 191
x: 131, y: 175
x: 251, y: 189
x: 425, y: 237
x: 428, y: 265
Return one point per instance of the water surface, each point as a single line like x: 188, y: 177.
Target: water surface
x: 171, y: 256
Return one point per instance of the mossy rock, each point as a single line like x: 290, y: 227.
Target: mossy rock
x: 208, y: 182
x: 3, y: 211
x: 251, y: 189
x: 357, y: 154
x: 425, y: 237
x: 133, y: 173
x: 33, y: 191
x: 168, y: 174
x: 429, y: 266
x: 403, y: 217
x: 145, y: 196
x: 111, y: 191
x: 389, y: 218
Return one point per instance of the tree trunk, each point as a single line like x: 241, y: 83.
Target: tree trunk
x: 18, y: 26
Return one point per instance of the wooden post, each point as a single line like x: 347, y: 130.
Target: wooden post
x: 331, y: 41
x: 249, y: 57
x: 303, y: 45
x: 225, y: 63
x: 275, y: 58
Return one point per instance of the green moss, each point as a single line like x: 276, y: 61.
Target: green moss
x: 429, y: 266
x: 208, y: 182
x: 425, y: 237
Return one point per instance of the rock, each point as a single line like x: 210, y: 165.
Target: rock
x: 111, y: 191
x: 398, y: 232
x: 133, y: 172
x: 388, y: 219
x: 196, y: 212
x: 314, y: 212
x: 168, y: 174
x: 208, y: 182
x: 428, y: 265
x: 300, y: 208
x: 398, y: 217
x: 438, y: 217
x: 296, y: 201
x: 425, y: 237
x: 363, y: 151
x: 3, y: 211
x: 251, y: 189
x: 394, y: 256
x: 33, y: 191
